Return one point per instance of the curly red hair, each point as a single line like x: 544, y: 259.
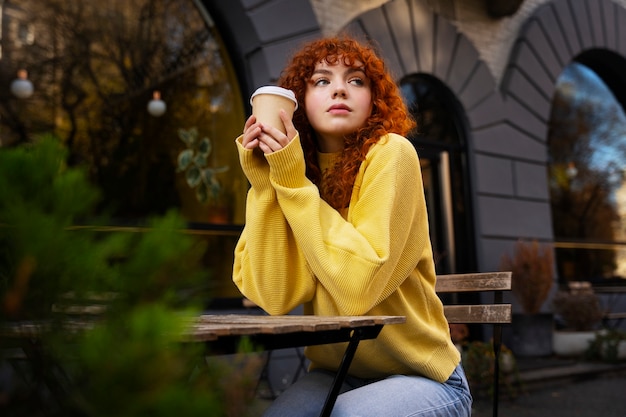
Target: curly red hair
x: 389, y: 113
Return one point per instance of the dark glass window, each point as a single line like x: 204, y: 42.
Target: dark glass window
x: 440, y: 139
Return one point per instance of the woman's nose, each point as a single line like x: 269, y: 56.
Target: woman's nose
x: 339, y: 91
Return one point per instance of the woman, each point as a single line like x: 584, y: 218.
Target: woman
x: 336, y: 220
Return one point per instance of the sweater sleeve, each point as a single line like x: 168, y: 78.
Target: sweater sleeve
x: 268, y: 269
x: 360, y: 260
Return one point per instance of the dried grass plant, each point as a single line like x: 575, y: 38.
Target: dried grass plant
x: 532, y: 274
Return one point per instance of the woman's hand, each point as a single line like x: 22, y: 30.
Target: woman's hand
x: 251, y: 132
x: 268, y: 138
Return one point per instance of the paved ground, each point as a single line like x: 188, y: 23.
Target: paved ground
x: 599, y: 396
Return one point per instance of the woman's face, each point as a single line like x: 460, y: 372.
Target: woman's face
x: 338, y: 101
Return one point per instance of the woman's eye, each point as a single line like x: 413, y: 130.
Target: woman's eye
x: 357, y: 81
x: 320, y: 81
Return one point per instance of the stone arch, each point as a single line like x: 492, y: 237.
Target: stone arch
x: 556, y: 34
x: 259, y: 36
x: 552, y: 38
x: 413, y: 39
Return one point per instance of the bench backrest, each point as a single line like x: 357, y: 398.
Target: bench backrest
x: 496, y: 314
x: 496, y: 282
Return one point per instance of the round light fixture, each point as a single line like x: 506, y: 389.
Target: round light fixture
x: 156, y: 106
x: 21, y: 87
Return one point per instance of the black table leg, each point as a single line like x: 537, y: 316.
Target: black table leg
x: 341, y: 373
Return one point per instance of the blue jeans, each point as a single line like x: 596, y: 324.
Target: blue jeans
x: 395, y: 396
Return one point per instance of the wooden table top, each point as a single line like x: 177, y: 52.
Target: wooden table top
x: 211, y: 327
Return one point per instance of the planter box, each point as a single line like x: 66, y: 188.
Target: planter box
x: 570, y: 343
x: 530, y: 335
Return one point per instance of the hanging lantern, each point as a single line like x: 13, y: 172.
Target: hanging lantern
x: 156, y: 106
x: 571, y: 171
x: 21, y: 87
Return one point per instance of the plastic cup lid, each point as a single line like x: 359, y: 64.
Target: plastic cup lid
x: 272, y: 89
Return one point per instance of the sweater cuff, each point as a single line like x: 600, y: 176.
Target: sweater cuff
x: 287, y: 166
x: 255, y: 166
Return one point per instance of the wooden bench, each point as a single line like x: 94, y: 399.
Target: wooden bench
x: 496, y: 313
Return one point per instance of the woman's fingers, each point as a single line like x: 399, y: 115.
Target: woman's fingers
x: 289, y: 127
x: 251, y: 120
x: 251, y: 131
x: 265, y: 148
x: 274, y: 139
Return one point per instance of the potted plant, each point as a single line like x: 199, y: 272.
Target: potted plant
x: 607, y: 346
x: 532, y: 268
x: 478, y: 363
x: 578, y: 313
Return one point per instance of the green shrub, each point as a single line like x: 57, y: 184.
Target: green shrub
x: 605, y: 346
x: 479, y: 366
x: 128, y: 359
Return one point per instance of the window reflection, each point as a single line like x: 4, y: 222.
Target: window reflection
x: 95, y: 66
x: 587, y: 182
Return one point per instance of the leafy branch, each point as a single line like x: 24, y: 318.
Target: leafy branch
x: 194, y: 160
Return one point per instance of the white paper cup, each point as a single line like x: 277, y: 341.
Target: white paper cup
x: 268, y: 100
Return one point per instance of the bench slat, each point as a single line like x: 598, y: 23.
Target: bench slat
x: 483, y: 281
x: 482, y: 313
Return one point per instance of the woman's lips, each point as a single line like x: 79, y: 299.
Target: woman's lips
x: 339, y: 109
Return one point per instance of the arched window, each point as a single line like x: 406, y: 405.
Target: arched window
x: 587, y: 166
x: 95, y: 67
x: 440, y: 140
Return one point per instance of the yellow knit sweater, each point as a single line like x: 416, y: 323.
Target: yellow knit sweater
x: 373, y: 259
